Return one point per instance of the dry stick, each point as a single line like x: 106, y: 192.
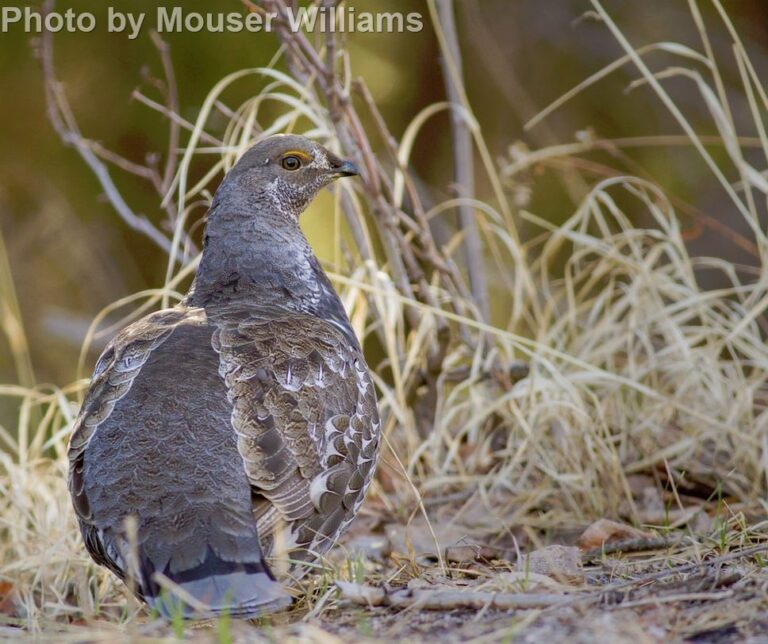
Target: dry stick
x: 309, y: 70
x: 359, y: 86
x: 441, y: 599
x: 392, y: 241
x: 421, y: 226
x: 399, y: 255
x: 747, y: 552
x: 449, y: 599
x: 162, y: 109
x: 302, y: 54
x: 121, y: 162
x: 392, y: 216
x: 463, y: 166
x: 330, y: 65
x: 362, y: 90
x: 62, y: 120
x: 633, y: 545
x: 163, y: 184
x: 172, y: 104
x: 449, y: 273
x: 355, y: 227
x: 404, y: 258
x: 676, y: 599
x: 707, y: 580
x: 301, y: 71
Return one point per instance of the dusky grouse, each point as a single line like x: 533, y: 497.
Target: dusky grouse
x: 239, y: 423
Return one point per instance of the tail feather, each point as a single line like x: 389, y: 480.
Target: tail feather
x: 216, y: 587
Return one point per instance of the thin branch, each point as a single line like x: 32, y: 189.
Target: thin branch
x: 121, y: 162
x: 632, y: 545
x: 63, y: 122
x: 685, y: 568
x: 446, y: 599
x: 330, y: 66
x: 163, y: 185
x: 463, y: 166
x: 172, y: 104
x: 173, y: 116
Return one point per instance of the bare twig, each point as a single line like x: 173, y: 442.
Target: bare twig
x: 677, y: 599
x: 162, y: 109
x: 62, y: 119
x: 685, y: 568
x: 633, y: 545
x: 422, y: 270
x: 330, y: 66
x: 121, y: 162
x: 446, y: 599
x: 362, y: 593
x: 463, y: 165
x: 172, y: 103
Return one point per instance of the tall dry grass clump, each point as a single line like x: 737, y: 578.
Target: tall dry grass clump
x: 528, y: 386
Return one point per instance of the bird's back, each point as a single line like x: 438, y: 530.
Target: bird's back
x: 227, y: 438
x: 166, y: 455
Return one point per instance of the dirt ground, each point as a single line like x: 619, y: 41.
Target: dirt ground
x: 681, y: 592
x: 647, y: 600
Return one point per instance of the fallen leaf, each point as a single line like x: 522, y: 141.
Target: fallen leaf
x: 606, y: 531
x: 7, y: 603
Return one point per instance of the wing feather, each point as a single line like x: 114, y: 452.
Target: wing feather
x: 304, y: 410
x: 115, y: 372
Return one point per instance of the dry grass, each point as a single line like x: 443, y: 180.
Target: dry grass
x: 641, y: 395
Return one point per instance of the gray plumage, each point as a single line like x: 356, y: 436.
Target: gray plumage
x: 240, y: 423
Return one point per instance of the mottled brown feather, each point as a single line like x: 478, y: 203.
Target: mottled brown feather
x: 303, y: 402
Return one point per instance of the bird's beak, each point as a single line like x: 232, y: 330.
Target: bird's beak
x: 346, y: 169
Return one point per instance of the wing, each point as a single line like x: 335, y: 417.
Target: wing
x: 305, y: 414
x: 113, y: 377
x: 154, y: 442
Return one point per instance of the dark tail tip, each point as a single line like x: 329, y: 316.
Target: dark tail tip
x: 215, y: 588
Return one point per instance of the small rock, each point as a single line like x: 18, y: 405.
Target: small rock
x: 417, y: 538
x: 560, y: 562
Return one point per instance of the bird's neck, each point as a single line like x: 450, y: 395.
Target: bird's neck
x: 269, y: 265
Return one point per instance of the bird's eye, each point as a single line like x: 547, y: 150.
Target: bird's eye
x: 291, y: 162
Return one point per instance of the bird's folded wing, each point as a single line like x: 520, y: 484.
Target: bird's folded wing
x: 304, y: 410
x: 112, y: 378
x: 115, y: 372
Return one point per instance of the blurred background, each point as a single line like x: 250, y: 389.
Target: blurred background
x: 67, y: 254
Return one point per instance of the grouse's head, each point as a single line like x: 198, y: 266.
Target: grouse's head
x: 288, y: 171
